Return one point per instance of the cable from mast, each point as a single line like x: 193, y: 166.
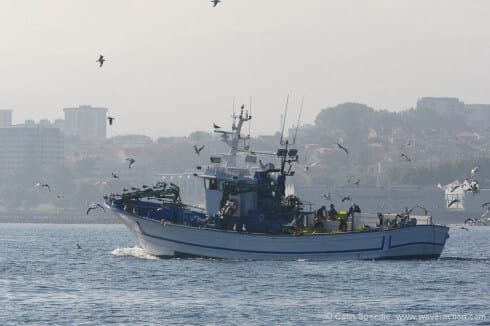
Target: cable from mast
x: 284, y: 121
x: 299, y: 117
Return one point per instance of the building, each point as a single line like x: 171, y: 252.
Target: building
x: 86, y: 122
x: 131, y: 141
x: 5, y: 118
x: 442, y: 105
x: 31, y: 150
x: 478, y: 116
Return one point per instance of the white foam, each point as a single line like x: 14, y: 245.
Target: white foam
x: 133, y: 251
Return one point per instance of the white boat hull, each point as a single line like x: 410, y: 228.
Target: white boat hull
x: 167, y: 239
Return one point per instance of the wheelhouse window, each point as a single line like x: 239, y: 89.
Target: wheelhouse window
x: 212, y: 184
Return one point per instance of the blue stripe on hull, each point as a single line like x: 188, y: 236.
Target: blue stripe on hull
x: 267, y: 252
x: 380, y: 248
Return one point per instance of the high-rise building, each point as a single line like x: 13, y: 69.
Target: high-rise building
x: 5, y: 118
x: 31, y: 150
x: 86, y: 122
x: 442, y: 105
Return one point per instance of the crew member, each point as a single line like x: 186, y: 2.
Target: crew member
x: 332, y: 212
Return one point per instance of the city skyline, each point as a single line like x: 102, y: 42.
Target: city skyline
x: 173, y: 67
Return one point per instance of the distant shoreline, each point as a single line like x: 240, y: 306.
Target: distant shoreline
x: 59, y: 219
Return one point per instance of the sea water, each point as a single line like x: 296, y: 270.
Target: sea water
x: 95, y: 275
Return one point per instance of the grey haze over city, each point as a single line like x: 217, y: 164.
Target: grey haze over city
x: 173, y: 67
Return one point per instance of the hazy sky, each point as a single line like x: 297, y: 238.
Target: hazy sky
x: 174, y: 66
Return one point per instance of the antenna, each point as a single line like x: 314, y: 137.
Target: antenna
x: 233, y: 105
x: 299, y: 116
x: 250, y: 116
x: 284, y: 120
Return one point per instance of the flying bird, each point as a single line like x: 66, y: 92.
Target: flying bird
x: 198, y: 150
x: 342, y: 148
x: 198, y: 167
x: 327, y: 196
x: 215, y: 2
x: 42, y: 185
x: 115, y: 176
x: 475, y: 170
x: 215, y: 126
x: 358, y: 180
x: 426, y: 211
x: 408, y: 159
x: 131, y: 162
x: 310, y: 165
x: 110, y: 120
x: 462, y: 227
x: 485, y: 204
x: 346, y: 198
x: 454, y: 201
x: 101, y: 60
x: 95, y: 206
x: 60, y: 196
x: 455, y: 187
x: 78, y: 246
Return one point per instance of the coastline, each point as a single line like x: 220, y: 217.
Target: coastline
x: 59, y: 219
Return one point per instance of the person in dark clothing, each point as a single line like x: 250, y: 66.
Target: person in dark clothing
x: 353, y: 209
x: 321, y: 212
x: 332, y: 212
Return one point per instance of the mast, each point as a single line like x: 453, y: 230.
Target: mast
x: 232, y: 138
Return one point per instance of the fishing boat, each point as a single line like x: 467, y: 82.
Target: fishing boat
x: 250, y: 215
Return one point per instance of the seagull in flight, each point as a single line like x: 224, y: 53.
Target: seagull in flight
x: 215, y: 126
x: 358, y: 180
x: 115, y: 176
x: 455, y: 187
x: 342, y: 148
x: 475, y: 170
x: 327, y: 196
x: 454, y: 201
x: 95, y: 206
x: 485, y: 204
x: 131, y: 161
x: 198, y: 150
x: 101, y: 60
x: 215, y: 2
x: 310, y: 165
x: 408, y: 159
x: 346, y: 198
x: 42, y: 185
x: 110, y: 120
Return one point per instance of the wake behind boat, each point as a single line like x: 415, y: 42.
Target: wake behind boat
x: 248, y: 215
